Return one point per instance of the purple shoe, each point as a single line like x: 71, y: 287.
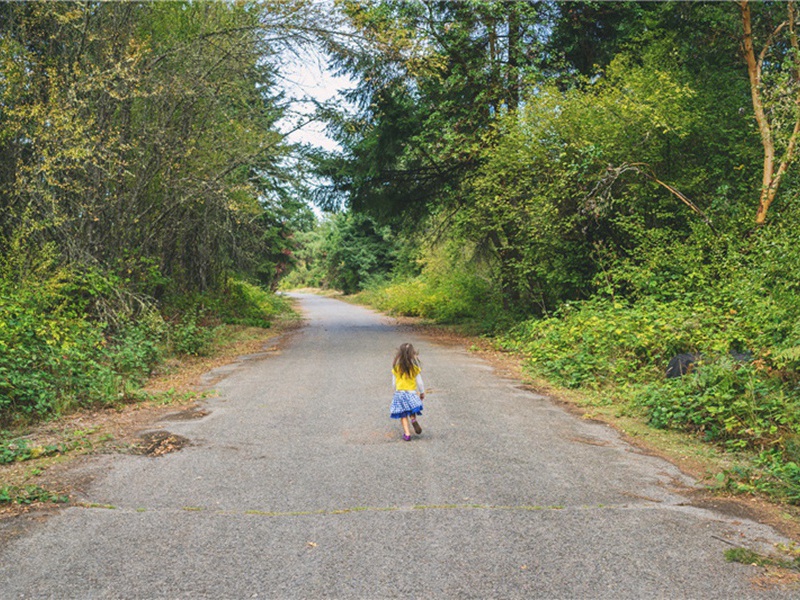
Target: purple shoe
x: 407, y: 437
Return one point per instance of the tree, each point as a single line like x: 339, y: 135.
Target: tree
x: 783, y: 97
x: 433, y: 77
x: 142, y: 136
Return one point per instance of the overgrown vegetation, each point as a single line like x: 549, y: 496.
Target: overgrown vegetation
x: 146, y: 194
x: 57, y: 358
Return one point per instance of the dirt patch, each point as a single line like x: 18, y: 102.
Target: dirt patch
x: 159, y: 443
x: 737, y: 508
x: 783, y: 518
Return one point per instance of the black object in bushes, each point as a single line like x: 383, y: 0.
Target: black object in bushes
x: 681, y: 364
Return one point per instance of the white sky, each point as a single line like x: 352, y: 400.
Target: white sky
x: 308, y: 77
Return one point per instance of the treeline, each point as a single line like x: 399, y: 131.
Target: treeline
x: 145, y: 189
x: 604, y: 185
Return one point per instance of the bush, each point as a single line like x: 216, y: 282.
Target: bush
x: 738, y: 404
x: 456, y: 298
x: 139, y: 347
x: 242, y: 303
x: 73, y: 339
x: 190, y: 338
x: 602, y: 342
x: 48, y: 360
x: 452, y: 288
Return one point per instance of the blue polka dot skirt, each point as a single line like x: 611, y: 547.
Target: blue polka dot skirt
x: 405, y: 404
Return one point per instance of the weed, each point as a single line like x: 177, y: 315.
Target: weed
x: 28, y: 494
x: 20, y: 450
x: 748, y: 557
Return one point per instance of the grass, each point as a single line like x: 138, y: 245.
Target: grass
x: 749, y: 557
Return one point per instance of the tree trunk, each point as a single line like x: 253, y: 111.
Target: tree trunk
x: 771, y: 179
x: 514, y: 38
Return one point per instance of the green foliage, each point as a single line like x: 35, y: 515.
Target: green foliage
x: 191, y: 338
x: 15, y: 450
x: 18, y: 450
x: 48, y: 361
x: 725, y: 402
x: 430, y: 81
x: 242, y: 303
x: 55, y: 358
x: 139, y: 347
x: 238, y: 302
x: 347, y: 251
x: 355, y: 252
x: 456, y: 298
x: 142, y: 139
x: 28, y: 494
x: 601, y: 342
x: 449, y: 289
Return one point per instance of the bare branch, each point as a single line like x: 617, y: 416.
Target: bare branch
x: 603, y: 186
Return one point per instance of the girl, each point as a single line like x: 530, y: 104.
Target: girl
x: 407, y: 382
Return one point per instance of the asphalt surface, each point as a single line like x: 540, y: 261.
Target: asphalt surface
x: 298, y: 485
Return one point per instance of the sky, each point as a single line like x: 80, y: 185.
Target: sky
x: 308, y: 77
x: 304, y: 77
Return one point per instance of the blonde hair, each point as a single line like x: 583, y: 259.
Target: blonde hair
x: 406, y: 359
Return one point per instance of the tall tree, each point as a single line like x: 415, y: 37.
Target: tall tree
x: 143, y: 135
x: 433, y: 77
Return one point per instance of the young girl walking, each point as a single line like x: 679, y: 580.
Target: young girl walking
x: 409, y: 391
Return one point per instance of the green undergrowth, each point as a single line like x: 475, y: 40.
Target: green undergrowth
x: 71, y: 341
x: 28, y: 494
x: 457, y: 299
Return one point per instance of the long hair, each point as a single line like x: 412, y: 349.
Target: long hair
x: 406, y: 359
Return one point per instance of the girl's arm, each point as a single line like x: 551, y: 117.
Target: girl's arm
x: 420, y: 386
x: 394, y: 382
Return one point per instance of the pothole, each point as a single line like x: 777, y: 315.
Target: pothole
x: 158, y: 443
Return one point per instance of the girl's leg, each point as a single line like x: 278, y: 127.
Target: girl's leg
x: 415, y: 425
x: 406, y: 428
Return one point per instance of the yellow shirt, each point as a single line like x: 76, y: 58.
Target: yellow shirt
x: 404, y: 382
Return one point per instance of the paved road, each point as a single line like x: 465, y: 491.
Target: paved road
x: 297, y: 485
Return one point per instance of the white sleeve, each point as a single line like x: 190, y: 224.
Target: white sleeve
x: 394, y: 382
x: 420, y: 385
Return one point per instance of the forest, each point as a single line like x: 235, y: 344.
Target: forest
x: 596, y: 186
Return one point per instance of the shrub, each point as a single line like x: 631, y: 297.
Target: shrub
x: 48, y: 361
x: 242, y: 303
x: 456, y: 298
x: 738, y: 404
x: 602, y: 342
x: 189, y: 337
